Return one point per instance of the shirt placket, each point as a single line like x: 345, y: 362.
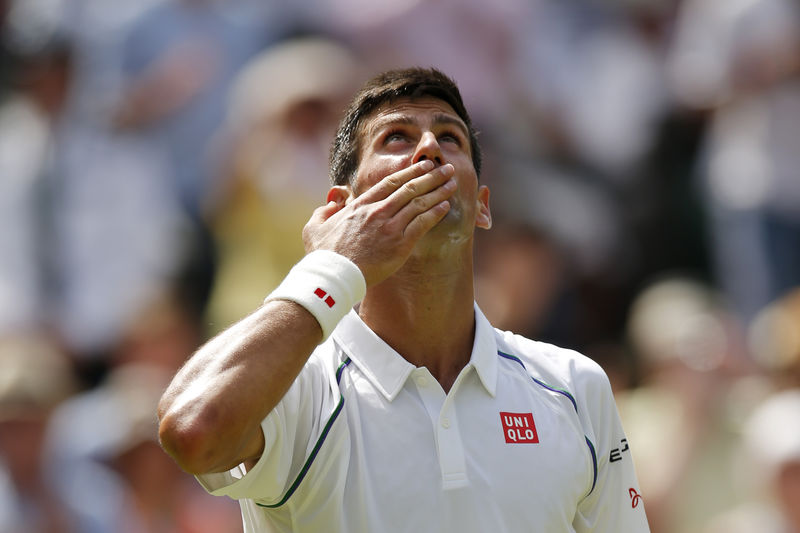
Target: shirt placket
x: 442, y: 414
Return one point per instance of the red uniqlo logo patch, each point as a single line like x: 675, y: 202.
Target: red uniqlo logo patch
x: 518, y: 428
x: 322, y: 295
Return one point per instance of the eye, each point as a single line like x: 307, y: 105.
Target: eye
x: 394, y: 137
x: 450, y: 137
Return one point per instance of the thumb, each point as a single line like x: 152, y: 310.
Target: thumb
x: 313, y: 230
x: 324, y: 212
x: 330, y: 209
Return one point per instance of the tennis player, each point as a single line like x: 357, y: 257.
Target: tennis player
x: 369, y: 393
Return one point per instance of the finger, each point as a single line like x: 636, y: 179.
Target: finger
x: 413, y: 190
x: 426, y: 220
x: 392, y: 182
x: 422, y: 203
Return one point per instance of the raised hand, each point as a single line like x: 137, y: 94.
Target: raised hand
x: 378, y: 229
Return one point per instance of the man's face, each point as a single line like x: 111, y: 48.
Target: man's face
x: 403, y: 132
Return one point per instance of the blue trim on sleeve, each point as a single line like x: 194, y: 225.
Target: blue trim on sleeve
x: 570, y: 397
x: 317, y: 446
x: 594, y: 462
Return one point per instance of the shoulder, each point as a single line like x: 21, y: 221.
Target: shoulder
x: 557, y: 367
x: 561, y: 363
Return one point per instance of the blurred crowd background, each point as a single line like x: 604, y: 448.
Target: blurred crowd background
x: 158, y: 159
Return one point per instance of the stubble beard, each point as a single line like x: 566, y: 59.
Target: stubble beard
x: 449, y: 231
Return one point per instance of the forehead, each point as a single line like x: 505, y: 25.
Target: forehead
x: 417, y: 110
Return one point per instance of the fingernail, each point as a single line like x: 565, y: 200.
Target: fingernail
x: 448, y: 169
x: 426, y: 164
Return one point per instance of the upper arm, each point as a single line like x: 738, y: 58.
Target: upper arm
x: 210, y: 415
x: 615, y: 503
x: 285, y: 440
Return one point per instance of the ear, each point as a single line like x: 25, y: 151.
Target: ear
x: 341, y: 194
x: 483, y: 219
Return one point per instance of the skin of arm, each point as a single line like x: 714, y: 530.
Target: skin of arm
x: 210, y: 414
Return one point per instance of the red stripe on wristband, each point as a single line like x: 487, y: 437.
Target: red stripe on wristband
x: 324, y: 296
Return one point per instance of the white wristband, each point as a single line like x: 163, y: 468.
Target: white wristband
x: 327, y: 284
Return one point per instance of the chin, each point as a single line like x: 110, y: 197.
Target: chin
x: 452, y: 219
x: 452, y: 228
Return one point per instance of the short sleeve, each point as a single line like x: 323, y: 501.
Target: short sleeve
x: 290, y: 432
x: 615, y: 503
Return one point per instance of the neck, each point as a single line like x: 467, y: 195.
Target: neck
x: 425, y: 313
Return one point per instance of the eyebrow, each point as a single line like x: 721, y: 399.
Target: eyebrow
x: 438, y: 118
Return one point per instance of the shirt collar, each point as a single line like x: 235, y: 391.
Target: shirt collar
x: 484, y: 352
x: 388, y: 371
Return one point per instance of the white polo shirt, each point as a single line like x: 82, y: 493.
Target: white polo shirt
x: 528, y: 439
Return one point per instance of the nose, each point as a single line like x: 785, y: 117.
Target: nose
x: 428, y: 148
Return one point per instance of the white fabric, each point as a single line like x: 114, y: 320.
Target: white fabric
x: 387, y: 450
x: 325, y: 283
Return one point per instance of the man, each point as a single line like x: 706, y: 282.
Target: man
x: 409, y: 412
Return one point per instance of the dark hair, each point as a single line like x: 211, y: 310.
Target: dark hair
x: 387, y: 87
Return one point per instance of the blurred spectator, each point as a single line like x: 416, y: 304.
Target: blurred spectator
x: 772, y: 436
x: 34, y: 378
x: 117, y: 233
x: 682, y: 422
x: 580, y: 218
x: 282, y: 114
x: 136, y: 166
x: 595, y: 79
x: 468, y: 39
x: 103, y: 454
x: 772, y: 460
x: 179, y: 59
x: 519, y: 275
x: 28, y: 115
x: 164, y: 333
x: 722, y: 49
x: 775, y: 339
x: 741, y: 59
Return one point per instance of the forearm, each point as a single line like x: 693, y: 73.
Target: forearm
x: 210, y: 414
